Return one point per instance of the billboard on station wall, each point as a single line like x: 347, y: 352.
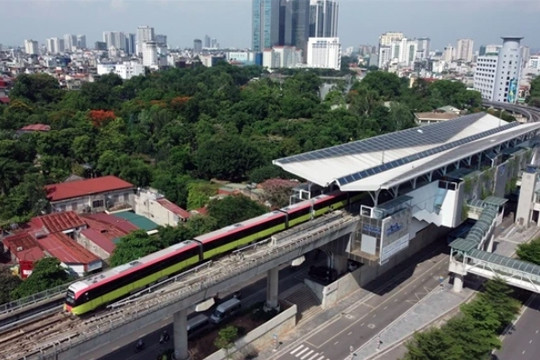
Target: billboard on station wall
x: 395, y: 234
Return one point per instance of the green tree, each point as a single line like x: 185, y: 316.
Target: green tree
x: 498, y: 294
x: 226, y: 338
x: 475, y: 342
x: 199, y: 193
x: 534, y: 96
x: 433, y: 344
x: 47, y: 273
x: 37, y: 88
x: 388, y: 86
x: 201, y: 224
x: 8, y: 283
x: 133, y: 246
x: 530, y: 251
x: 227, y: 157
x: 233, y: 209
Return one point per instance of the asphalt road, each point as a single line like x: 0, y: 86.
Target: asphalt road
x: 334, y: 340
x: 522, y: 341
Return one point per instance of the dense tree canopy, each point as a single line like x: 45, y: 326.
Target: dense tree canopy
x: 133, y: 246
x: 233, y: 209
x: 529, y: 251
x: 173, y: 127
x: 47, y: 273
x: 9, y: 283
x: 534, y: 97
x: 473, y: 334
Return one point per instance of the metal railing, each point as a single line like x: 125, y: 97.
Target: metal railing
x: 205, y: 279
x: 32, y: 299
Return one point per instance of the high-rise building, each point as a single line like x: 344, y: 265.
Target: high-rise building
x: 81, y: 41
x: 388, y: 38
x: 497, y: 76
x: 130, y: 43
x: 323, y: 18
x: 115, y: 39
x: 161, y: 40
x: 423, y: 48
x: 386, y: 47
x: 70, y: 42
x: 265, y: 24
x: 197, y: 46
x: 295, y: 24
x: 150, y: 54
x: 144, y: 33
x: 464, y: 50
x: 492, y: 49
x: 55, y: 45
x: 31, y: 47
x: 449, y: 53
x: 482, y: 50
x: 324, y: 53
x: 100, y: 45
x: 206, y: 41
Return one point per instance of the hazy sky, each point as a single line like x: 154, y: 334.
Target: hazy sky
x: 229, y: 21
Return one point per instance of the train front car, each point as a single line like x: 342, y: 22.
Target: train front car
x: 238, y: 235
x: 103, y: 288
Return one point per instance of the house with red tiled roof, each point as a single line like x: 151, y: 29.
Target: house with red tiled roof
x: 99, y: 194
x: 23, y: 249
x: 52, y: 235
x: 34, y: 128
x: 102, y: 233
x: 154, y: 206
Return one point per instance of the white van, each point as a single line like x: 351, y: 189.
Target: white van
x: 196, y: 323
x: 225, y: 310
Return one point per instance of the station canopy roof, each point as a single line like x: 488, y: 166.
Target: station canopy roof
x: 384, y: 161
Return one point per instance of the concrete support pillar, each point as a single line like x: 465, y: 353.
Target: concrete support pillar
x: 458, y: 283
x: 272, y: 289
x: 180, y: 335
x: 490, y: 244
x: 340, y: 263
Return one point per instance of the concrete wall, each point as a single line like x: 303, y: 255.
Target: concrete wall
x: 423, y: 205
x: 145, y: 204
x: 84, y: 203
x: 333, y: 293
x: 424, y: 237
x: 92, y: 247
x: 261, y: 337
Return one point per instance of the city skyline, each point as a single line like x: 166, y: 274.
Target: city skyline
x: 360, y: 21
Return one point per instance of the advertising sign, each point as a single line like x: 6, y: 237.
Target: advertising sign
x: 512, y: 91
x: 394, y: 234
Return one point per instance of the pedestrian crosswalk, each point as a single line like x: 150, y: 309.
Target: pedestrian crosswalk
x: 303, y: 352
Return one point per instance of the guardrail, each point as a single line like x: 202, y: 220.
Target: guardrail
x: 32, y: 299
x: 203, y: 281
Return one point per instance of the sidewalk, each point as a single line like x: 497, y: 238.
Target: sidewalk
x: 438, y: 304
x: 441, y: 302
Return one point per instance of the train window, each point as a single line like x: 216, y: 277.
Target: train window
x: 70, y: 297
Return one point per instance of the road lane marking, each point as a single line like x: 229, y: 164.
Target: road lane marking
x: 314, y: 356
x: 435, y: 265
x: 349, y: 333
x: 337, y: 342
x: 303, y: 351
x: 295, y: 350
x: 306, y: 355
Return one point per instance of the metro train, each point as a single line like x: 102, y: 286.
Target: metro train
x: 101, y: 289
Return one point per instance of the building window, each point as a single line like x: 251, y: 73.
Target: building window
x: 97, y: 203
